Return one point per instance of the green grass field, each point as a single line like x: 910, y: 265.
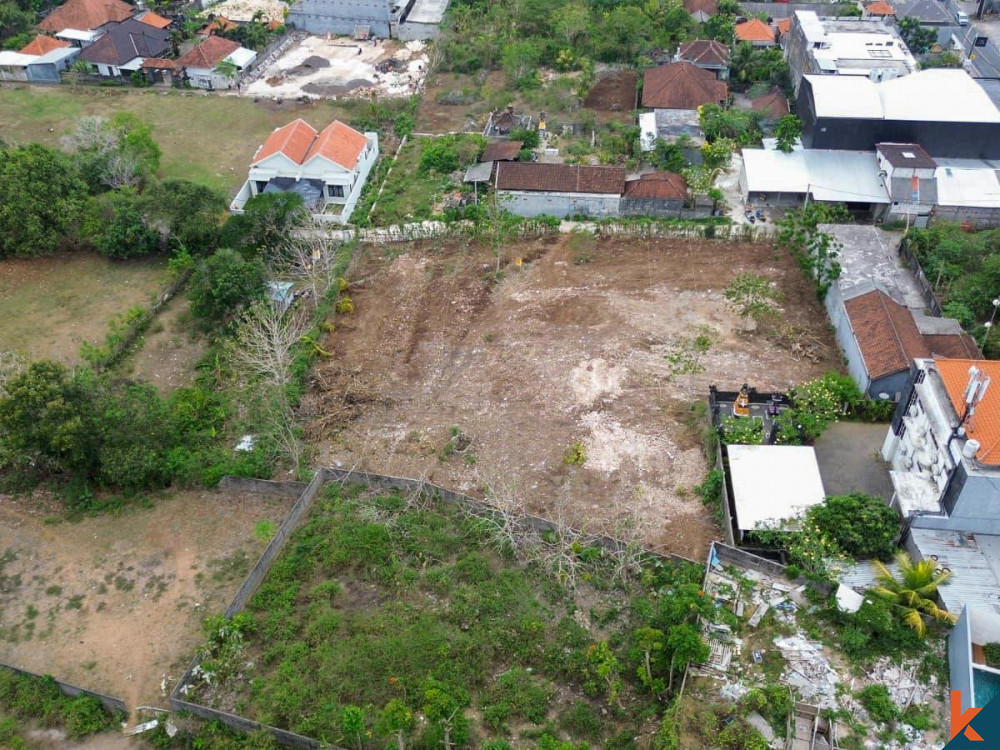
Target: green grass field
x: 205, y: 138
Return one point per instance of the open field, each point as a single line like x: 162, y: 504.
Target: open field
x: 205, y: 138
x: 169, y: 350
x: 50, y: 305
x: 474, y: 385
x: 115, y: 602
x: 380, y: 598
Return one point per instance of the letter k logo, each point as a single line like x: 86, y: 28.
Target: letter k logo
x: 960, y: 721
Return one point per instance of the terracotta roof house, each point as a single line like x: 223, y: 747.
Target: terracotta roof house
x: 201, y: 64
x: 782, y: 26
x: 681, y: 85
x: 153, y: 19
x: 701, y: 10
x: 532, y: 189
x: 985, y: 427
x: 665, y: 186
x: 42, y: 45
x: 952, y: 346
x: 773, y: 104
x: 878, y: 9
x: 502, y: 151
x: 755, y: 32
x: 887, y: 338
x: 124, y: 46
x: 217, y: 25
x: 86, y: 15
x: 706, y: 54
x: 328, y: 168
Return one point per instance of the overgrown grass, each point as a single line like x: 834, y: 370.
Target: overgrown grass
x: 380, y: 600
x: 38, y: 700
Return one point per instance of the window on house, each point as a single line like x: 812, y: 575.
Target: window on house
x: 335, y: 191
x: 261, y: 184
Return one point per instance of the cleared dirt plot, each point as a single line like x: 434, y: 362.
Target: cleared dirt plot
x: 116, y: 602
x: 414, y: 610
x: 554, y: 385
x: 615, y: 92
x: 317, y: 66
x: 49, y: 306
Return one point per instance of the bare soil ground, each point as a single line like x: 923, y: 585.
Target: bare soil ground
x: 50, y: 305
x: 474, y: 385
x: 615, y: 92
x: 115, y: 603
x: 170, y: 349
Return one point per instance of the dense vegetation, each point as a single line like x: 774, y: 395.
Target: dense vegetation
x: 28, y: 700
x: 963, y: 268
x: 392, y: 619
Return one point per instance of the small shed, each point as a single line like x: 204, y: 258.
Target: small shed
x: 502, y: 151
x: 771, y: 485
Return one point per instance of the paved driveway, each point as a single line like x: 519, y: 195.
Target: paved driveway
x: 849, y: 460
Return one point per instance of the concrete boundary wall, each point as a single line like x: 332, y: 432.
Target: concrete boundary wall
x: 109, y: 702
x: 178, y: 700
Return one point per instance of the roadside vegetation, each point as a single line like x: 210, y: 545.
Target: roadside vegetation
x: 402, y: 619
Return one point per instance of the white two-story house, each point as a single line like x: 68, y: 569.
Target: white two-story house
x: 327, y: 168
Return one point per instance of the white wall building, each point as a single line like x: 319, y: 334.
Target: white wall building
x: 327, y: 168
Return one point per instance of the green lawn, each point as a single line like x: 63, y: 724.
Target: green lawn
x: 49, y: 305
x: 205, y: 138
x: 379, y: 602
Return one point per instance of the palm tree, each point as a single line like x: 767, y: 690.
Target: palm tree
x: 914, y: 590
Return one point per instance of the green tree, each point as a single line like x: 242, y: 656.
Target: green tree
x: 740, y: 125
x: 787, y: 131
x: 134, y: 437
x: 41, y: 195
x: 352, y: 723
x: 396, y: 720
x: 444, y: 706
x: 814, y: 250
x: 14, y: 20
x: 571, y: 21
x: 686, y: 645
x: 48, y: 416
x: 520, y: 62
x: 266, y: 223
x: 753, y: 297
x: 918, y: 38
x: 225, y: 283
x: 651, y: 643
x: 914, y: 591
x: 124, y: 232
x: 190, y: 214
x: 861, y: 525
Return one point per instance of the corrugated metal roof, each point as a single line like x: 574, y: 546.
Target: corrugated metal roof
x: 850, y: 176
x: 972, y: 559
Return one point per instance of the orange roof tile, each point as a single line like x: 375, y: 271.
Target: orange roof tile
x: 340, y: 144
x: 220, y: 23
x: 985, y: 424
x: 783, y: 26
x: 293, y: 140
x: 86, y: 15
x: 153, y: 19
x: 754, y: 30
x: 209, y: 53
x: 42, y: 45
x: 880, y: 8
x: 681, y: 85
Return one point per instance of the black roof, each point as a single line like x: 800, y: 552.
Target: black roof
x: 906, y: 155
x: 126, y: 41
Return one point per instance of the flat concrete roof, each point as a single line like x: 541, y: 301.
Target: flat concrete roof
x: 427, y: 11
x: 773, y: 483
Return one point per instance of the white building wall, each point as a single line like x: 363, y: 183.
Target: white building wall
x: 531, y: 203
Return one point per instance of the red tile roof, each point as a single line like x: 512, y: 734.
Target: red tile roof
x: 209, y: 53
x: 300, y: 142
x: 159, y: 63
x: 502, y: 151
x: 340, y: 144
x: 657, y: 186
x: 218, y: 24
x: 154, y: 19
x: 42, y: 45
x: 681, y: 85
x: 704, y: 52
x: 774, y: 104
x: 955, y: 345
x: 754, y: 30
x: 985, y: 425
x: 708, y: 7
x: 783, y: 26
x: 86, y: 15
x: 886, y: 333
x: 879, y: 8
x: 560, y: 178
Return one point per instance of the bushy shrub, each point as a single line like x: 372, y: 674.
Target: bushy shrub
x: 123, y: 231
x: 878, y: 703
x: 223, y: 284
x: 863, y: 526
